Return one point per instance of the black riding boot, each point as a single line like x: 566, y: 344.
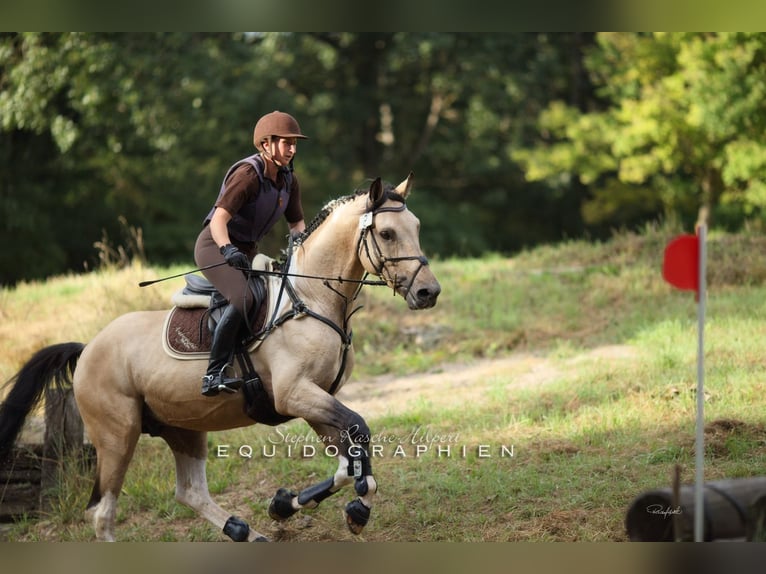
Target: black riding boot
x: 224, y: 339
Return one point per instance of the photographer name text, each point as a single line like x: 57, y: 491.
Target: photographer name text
x: 418, y: 443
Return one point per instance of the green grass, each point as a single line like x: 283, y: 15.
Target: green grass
x: 588, y: 431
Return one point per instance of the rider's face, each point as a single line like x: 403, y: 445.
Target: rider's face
x: 283, y: 149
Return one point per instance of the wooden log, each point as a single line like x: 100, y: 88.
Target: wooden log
x: 20, y: 482
x: 727, y: 511
x: 23, y: 465
x: 32, y: 473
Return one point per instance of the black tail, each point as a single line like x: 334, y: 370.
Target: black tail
x: 54, y: 364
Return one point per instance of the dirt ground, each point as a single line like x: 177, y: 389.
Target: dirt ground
x: 453, y: 384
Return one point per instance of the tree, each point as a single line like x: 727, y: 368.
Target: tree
x: 101, y: 128
x: 449, y: 107
x: 681, y: 126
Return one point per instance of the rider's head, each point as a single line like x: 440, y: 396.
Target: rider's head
x: 275, y: 136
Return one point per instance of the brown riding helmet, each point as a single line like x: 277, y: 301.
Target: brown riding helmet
x: 276, y: 124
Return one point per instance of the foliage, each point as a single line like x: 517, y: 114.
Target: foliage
x: 679, y: 126
x: 515, y: 139
x: 109, y: 126
x: 143, y: 126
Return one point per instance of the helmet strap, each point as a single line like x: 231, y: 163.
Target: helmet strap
x: 268, y: 153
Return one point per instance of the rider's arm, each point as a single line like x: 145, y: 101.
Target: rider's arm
x: 218, y: 228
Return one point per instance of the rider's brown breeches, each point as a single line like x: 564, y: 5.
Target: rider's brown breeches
x: 230, y: 282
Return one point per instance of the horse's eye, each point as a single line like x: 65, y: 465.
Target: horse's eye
x: 386, y: 235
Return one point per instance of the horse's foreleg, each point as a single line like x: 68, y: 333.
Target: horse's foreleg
x: 349, y: 433
x: 358, y: 510
x: 190, y: 452
x: 286, y: 502
x: 356, y: 439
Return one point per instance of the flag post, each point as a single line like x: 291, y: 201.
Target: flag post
x: 684, y: 267
x: 699, y: 481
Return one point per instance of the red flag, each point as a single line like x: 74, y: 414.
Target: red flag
x: 681, y: 265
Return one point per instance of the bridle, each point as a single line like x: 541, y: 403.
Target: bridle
x: 380, y: 263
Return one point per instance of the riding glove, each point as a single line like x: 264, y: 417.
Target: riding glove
x: 235, y: 257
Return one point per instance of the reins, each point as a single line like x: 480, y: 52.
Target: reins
x: 366, y: 223
x: 319, y: 277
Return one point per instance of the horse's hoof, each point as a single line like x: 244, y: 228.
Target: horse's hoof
x: 236, y: 529
x: 281, y: 506
x: 357, y: 515
x: 355, y: 529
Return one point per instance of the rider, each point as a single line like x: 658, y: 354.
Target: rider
x: 255, y: 192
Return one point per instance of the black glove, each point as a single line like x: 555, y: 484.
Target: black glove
x: 235, y: 257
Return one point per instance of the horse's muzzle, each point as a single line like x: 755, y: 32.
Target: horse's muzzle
x: 423, y: 296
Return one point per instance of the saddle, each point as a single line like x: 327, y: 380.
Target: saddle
x: 188, y: 330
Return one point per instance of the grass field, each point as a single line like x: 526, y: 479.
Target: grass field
x: 584, y: 399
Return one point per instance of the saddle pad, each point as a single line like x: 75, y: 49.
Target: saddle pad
x: 185, y: 334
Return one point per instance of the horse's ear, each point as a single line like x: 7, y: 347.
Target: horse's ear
x: 404, y: 188
x: 376, y: 192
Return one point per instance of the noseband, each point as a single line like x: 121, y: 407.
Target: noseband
x: 375, y: 253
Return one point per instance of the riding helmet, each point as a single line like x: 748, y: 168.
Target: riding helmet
x: 276, y: 124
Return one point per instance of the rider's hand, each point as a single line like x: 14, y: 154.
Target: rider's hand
x: 235, y: 257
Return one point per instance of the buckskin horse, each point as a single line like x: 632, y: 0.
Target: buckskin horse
x: 125, y: 384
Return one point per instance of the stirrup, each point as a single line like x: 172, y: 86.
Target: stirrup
x: 214, y: 384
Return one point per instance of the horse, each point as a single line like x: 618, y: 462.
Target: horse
x: 125, y: 384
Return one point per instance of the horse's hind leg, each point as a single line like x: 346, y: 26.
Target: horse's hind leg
x: 115, y: 445
x: 190, y: 451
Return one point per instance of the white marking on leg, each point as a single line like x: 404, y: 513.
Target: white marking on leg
x: 191, y: 482
x: 339, y: 480
x: 192, y: 490
x: 341, y: 477
x: 102, y: 516
x: 372, y: 488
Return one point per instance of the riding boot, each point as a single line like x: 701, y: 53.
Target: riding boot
x: 225, y: 337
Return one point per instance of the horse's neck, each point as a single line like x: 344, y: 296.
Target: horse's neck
x: 330, y: 251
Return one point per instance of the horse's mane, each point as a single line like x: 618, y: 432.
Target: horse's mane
x: 325, y: 212
x: 332, y: 205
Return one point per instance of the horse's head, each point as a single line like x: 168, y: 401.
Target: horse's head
x: 389, y: 245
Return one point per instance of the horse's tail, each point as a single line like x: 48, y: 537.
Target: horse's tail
x: 54, y: 364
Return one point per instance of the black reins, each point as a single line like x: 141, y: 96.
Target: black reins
x: 320, y: 277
